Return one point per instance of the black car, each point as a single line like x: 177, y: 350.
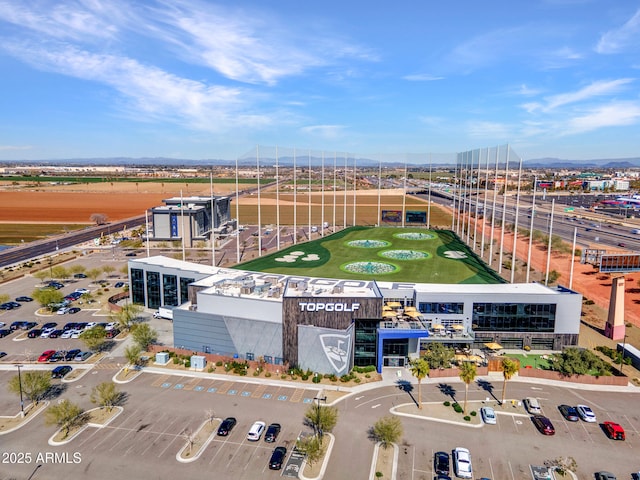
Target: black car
x: 56, y: 285
x: 6, y: 306
x: 56, y: 333
x: 60, y: 371
x: 4, y: 332
x: 49, y: 325
x: 17, y: 324
x: 57, y: 357
x: 119, y: 284
x: 24, y: 299
x: 69, y: 326
x: 34, y: 333
x: 11, y: 305
x: 131, y: 254
x: 73, y: 310
x: 226, y: 426
x: 569, y: 413
x: 3, y: 354
x: 277, y: 457
x: 71, y: 354
x: 441, y: 463
x: 113, y: 333
x: 272, y: 432
x: 80, y: 275
x: 28, y: 325
x: 543, y: 424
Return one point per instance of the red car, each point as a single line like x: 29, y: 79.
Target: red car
x: 613, y: 430
x: 46, y: 355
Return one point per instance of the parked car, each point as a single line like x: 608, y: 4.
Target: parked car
x: 605, y: 476
x: 3, y: 354
x: 46, y: 332
x: 63, y: 310
x: 119, y: 285
x: 4, y: 332
x: 113, y: 333
x: 46, y: 355
x: 277, y: 458
x: 60, y: 371
x: 586, y: 413
x: 82, y: 291
x: 80, y: 275
x: 2, y: 324
x: 56, y: 333
x: 532, y: 405
x: 57, y: 357
x: 256, y: 431
x: 488, y: 415
x: 69, y: 326
x: 462, y: 463
x: 36, y: 332
x: 441, y: 463
x: 73, y: 310
x: 226, y: 426
x: 49, y: 325
x: 82, y: 356
x: 543, y: 424
x: 569, y: 413
x: 24, y: 299
x: 613, y: 430
x: 16, y: 325
x: 272, y: 432
x: 71, y: 354
x: 28, y: 325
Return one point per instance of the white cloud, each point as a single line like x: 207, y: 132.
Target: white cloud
x: 596, y: 89
x: 488, y: 130
x: 326, y: 132
x: 422, y: 77
x: 611, y: 115
x: 15, y: 147
x: 616, y: 40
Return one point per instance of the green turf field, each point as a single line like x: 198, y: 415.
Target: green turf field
x: 381, y: 253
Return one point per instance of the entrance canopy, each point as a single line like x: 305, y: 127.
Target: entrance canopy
x: 493, y: 346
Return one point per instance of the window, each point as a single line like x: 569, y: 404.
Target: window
x: 443, y: 308
x: 170, y: 290
x: 516, y: 317
x: 137, y: 286
x: 184, y: 289
x: 153, y: 290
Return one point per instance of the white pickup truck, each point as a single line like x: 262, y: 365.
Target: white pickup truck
x: 165, y: 313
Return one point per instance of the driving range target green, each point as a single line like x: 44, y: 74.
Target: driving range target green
x: 405, y: 254
x: 367, y: 243
x: 369, y: 268
x: 415, y: 236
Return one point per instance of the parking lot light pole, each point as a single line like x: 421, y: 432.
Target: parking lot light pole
x: 319, y: 426
x: 18, y: 366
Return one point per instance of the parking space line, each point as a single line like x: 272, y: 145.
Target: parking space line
x: 190, y: 385
x: 257, y: 393
x: 160, y: 380
x: 224, y: 387
x: 297, y: 395
x: 151, y: 444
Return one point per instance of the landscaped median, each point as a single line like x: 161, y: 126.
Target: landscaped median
x: 97, y: 417
x: 197, y: 441
x: 10, y: 423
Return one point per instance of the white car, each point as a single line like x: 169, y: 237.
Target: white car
x: 586, y: 413
x: 46, y: 332
x: 67, y: 333
x: 90, y: 325
x: 533, y: 406
x: 462, y: 463
x: 82, y: 290
x: 488, y: 415
x: 62, y: 311
x: 111, y: 326
x: 2, y: 324
x: 76, y: 333
x: 256, y: 431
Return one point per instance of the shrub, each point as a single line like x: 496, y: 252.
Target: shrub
x: 447, y: 403
x: 357, y: 380
x: 176, y: 360
x: 333, y: 377
x: 473, y: 413
x: 294, y: 377
x: 218, y: 363
x: 589, y: 302
x: 526, y: 348
x: 210, y: 369
x: 187, y: 364
x: 268, y: 374
x: 467, y: 418
x: 457, y: 408
x: 366, y: 375
x: 316, y: 379
x: 305, y: 377
x: 283, y: 376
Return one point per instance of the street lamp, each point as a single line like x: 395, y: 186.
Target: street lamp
x: 319, y: 426
x: 18, y: 366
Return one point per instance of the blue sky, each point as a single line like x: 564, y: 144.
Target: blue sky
x: 208, y: 79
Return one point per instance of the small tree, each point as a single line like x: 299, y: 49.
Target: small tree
x: 144, y: 335
x: 41, y: 275
x: 106, y: 395
x: 4, y: 297
x: 439, y: 355
x: 311, y: 447
x: 322, y: 418
x: 65, y: 415
x: 509, y: 368
x: 467, y: 375
x: 388, y: 430
x: 94, y: 274
x: 47, y: 297
x: 99, y: 218
x: 419, y: 369
x: 127, y: 316
x: 94, y: 338
x: 77, y: 268
x: 60, y: 272
x: 132, y: 354
x: 108, y: 269
x: 34, y: 384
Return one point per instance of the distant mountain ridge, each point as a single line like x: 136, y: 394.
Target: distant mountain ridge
x: 303, y: 161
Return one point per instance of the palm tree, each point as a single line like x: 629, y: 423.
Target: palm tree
x: 509, y: 369
x: 467, y: 375
x: 419, y: 369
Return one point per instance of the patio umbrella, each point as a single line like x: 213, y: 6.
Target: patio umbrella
x: 458, y: 327
x: 493, y: 346
x: 410, y: 309
x: 386, y: 308
x: 437, y: 326
x: 388, y: 314
x: 394, y: 304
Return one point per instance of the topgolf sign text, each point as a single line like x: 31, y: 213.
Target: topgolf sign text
x: 328, y: 307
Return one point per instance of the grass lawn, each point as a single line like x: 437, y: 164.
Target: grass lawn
x: 532, y: 360
x: 381, y: 253
x: 15, y: 233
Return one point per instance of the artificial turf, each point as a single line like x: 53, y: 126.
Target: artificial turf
x: 446, y: 259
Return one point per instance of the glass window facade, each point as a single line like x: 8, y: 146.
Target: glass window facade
x: 184, y: 289
x: 170, y: 290
x: 516, y: 317
x: 438, y: 307
x: 153, y: 290
x: 137, y: 286
x: 365, y: 342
